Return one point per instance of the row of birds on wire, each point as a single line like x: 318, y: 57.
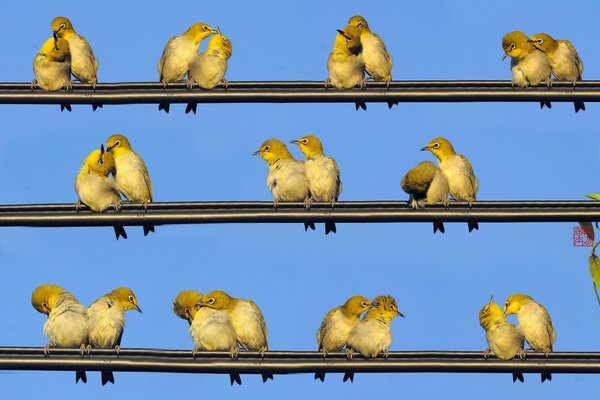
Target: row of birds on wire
x: 317, y: 179
x: 356, y: 50
x: 219, y: 322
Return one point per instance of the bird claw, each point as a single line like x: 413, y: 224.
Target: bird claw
x: 34, y: 84
x: 487, y: 353
x: 308, y: 203
x: 78, y: 205
x: 68, y: 86
x: 93, y: 83
x: 225, y: 83
x: 324, y: 353
x: 88, y: 349
x: 362, y: 84
x: 446, y: 203
x: 549, y: 82
x: 262, y: 352
x: 385, y: 354
x: 547, y: 354
x: 332, y: 202
x: 522, y: 354
x: 82, y: 350
x: 164, y: 85
x: 117, y: 350
x: 195, y: 352
x: 327, y: 83
x: 47, y: 350
x: 234, y: 352
x: 117, y: 205
x: 145, y: 205
x: 275, y: 204
x: 350, y: 354
x: 189, y: 84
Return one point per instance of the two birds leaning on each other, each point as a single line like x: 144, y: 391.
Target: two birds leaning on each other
x: 506, y: 340
x: 535, y: 59
x: 219, y: 322
x: 72, y: 325
x: 291, y: 180
x: 428, y: 184
x: 99, y: 191
x: 370, y: 336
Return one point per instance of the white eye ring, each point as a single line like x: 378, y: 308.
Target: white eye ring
x: 436, y: 145
x: 204, y: 27
x: 540, y: 41
x: 364, y: 304
x: 130, y: 298
x: 304, y: 141
x: 211, y: 301
x: 513, y: 46
x: 118, y: 143
x: 267, y: 148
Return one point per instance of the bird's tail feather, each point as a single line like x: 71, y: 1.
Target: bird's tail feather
x: 107, y: 376
x: 80, y: 375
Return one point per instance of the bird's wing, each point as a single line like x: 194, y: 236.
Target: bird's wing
x: 418, y: 179
x: 260, y: 318
x: 324, y: 327
x: 574, y: 57
x: 471, y: 174
x: 161, y: 62
x: 336, y: 169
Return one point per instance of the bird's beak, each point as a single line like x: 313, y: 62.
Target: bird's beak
x: 101, y: 149
x: 425, y: 148
x: 400, y: 314
x: 55, y: 35
x: 492, y: 299
x: 504, y: 56
x: 257, y: 152
x: 201, y: 304
x: 293, y: 141
x: 341, y: 32
x: 137, y: 308
x: 109, y: 148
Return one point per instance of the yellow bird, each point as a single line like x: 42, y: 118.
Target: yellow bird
x: 131, y: 173
x: 535, y: 322
x: 178, y: 53
x: 322, y: 174
x: 286, y: 179
x: 67, y: 324
x: 207, y: 69
x: 337, y: 325
x: 184, y: 305
x: 346, y: 64
x: 528, y: 65
x: 564, y: 60
x: 372, y: 335
x: 247, y: 320
x: 52, y: 67
x: 96, y: 189
x: 458, y: 171
x: 504, y: 340
x: 106, y: 317
x: 426, y: 184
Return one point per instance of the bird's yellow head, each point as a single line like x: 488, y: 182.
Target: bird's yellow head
x: 355, y: 306
x: 198, y: 32
x: 360, y: 23
x: 348, y: 41
x: 184, y: 305
x: 56, y: 49
x: 440, y: 147
x: 515, y: 45
x: 118, y: 145
x: 125, y: 298
x: 220, y: 43
x: 44, y: 297
x: 99, y: 162
x: 383, y: 308
x: 489, y: 314
x: 217, y: 299
x: 543, y: 42
x: 62, y: 27
x: 514, y: 303
x: 309, y: 145
x: 273, y: 150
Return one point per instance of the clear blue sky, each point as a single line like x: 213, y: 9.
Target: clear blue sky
x: 440, y: 282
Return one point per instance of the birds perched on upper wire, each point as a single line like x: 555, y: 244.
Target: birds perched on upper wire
x: 96, y: 189
x: 67, y: 324
x: 286, y: 178
x: 131, y: 173
x: 247, y: 320
x: 178, y: 53
x: 106, y: 318
x: 372, y: 335
x: 426, y: 184
x: 504, y: 340
x: 535, y: 322
x: 529, y: 66
x: 52, y: 67
x: 346, y: 64
x: 207, y: 69
x: 378, y: 62
x: 564, y: 60
x: 322, y: 174
x: 462, y: 181
x: 337, y: 325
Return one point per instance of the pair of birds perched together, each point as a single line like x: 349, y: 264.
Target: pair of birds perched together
x: 291, y: 180
x: 219, y: 322
x: 505, y: 340
x: 65, y: 53
x: 99, y: 191
x: 429, y: 184
x: 535, y: 59
x: 72, y: 325
x: 357, y: 50
x: 370, y: 336
x: 180, y: 58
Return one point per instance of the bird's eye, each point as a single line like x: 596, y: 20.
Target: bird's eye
x: 360, y: 24
x: 101, y: 161
x: 267, y: 148
x: 540, y: 41
x: 436, y: 145
x: 44, y: 304
x: 118, y: 143
x: 506, y: 304
x: 348, y: 38
x: 513, y: 46
x: 392, y: 308
x: 211, y: 301
x: 187, y: 310
x: 130, y: 298
x: 363, y: 304
x: 62, y: 26
x: 204, y: 27
x: 304, y: 141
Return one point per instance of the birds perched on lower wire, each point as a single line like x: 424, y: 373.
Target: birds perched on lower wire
x: 535, y: 322
x: 52, y: 67
x: 322, y: 174
x: 131, y: 173
x: 207, y: 69
x: 337, y: 325
x: 426, y: 184
x: 96, y: 189
x: 458, y: 171
x: 177, y: 54
x: 529, y: 66
x: 106, y: 318
x: 247, y: 320
x: 372, y: 335
x: 564, y: 60
x: 504, y: 340
x: 286, y: 178
x: 346, y: 64
x: 67, y: 324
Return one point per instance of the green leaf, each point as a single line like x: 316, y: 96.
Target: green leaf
x: 594, y: 196
x: 595, y: 272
